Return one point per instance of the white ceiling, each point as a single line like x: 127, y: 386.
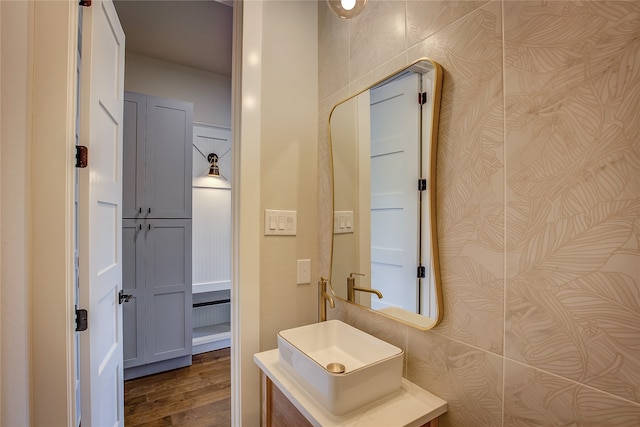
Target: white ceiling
x: 193, y: 33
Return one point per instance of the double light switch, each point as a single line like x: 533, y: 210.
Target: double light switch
x: 342, y: 222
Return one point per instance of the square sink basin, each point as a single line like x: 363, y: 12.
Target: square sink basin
x: 340, y: 366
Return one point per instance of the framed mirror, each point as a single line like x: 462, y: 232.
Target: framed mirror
x: 383, y: 149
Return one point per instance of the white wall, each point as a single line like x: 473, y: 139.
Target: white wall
x: 209, y: 92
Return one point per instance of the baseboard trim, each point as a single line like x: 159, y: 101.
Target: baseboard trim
x: 157, y: 367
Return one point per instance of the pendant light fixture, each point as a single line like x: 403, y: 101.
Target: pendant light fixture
x: 346, y: 8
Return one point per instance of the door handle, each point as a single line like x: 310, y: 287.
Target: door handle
x: 122, y: 297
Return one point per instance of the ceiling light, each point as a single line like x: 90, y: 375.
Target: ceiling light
x: 346, y: 8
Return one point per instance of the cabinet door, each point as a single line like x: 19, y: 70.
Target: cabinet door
x: 168, y: 158
x: 278, y: 409
x: 168, y: 289
x: 134, y: 129
x: 133, y: 246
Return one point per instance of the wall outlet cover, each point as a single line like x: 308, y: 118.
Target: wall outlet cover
x: 304, y: 271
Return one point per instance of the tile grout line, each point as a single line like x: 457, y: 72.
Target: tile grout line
x: 456, y: 340
x: 526, y: 365
x: 574, y: 382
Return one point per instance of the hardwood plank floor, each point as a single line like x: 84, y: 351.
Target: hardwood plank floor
x: 196, y: 396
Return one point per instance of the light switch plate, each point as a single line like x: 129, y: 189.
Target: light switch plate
x: 280, y: 223
x: 343, y: 222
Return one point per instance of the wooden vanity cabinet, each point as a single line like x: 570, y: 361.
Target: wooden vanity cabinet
x: 278, y: 411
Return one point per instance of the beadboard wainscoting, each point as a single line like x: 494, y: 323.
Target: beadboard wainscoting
x: 211, y: 239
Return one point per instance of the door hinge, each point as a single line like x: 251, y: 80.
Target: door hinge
x: 422, y: 98
x: 81, y: 319
x: 82, y: 156
x: 85, y: 3
x: 422, y: 272
x: 422, y: 184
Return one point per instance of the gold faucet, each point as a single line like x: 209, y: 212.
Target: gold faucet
x: 324, y: 295
x: 352, y: 288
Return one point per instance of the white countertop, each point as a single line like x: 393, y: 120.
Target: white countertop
x: 412, y: 406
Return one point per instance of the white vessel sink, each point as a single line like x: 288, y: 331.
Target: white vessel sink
x: 372, y: 367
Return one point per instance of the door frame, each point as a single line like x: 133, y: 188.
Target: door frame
x: 53, y: 107
x: 245, y: 213
x: 52, y: 316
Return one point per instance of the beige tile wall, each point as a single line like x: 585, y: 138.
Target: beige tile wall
x: 538, y: 202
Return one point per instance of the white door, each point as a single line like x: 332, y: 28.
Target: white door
x: 395, y: 170
x: 100, y: 228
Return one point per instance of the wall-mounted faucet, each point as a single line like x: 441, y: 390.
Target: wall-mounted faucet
x: 324, y: 294
x: 352, y: 288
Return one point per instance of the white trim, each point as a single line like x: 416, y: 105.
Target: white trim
x: 245, y: 214
x: 200, y: 288
x: 207, y: 125
x: 52, y: 228
x: 211, y: 183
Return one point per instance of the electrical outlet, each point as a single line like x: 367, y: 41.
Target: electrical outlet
x: 304, y: 271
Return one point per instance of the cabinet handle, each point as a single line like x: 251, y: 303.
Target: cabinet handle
x: 139, y: 210
x: 140, y: 227
x: 149, y: 210
x: 149, y: 226
x: 122, y: 297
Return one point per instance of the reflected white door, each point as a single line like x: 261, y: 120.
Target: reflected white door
x: 395, y: 170
x: 100, y: 228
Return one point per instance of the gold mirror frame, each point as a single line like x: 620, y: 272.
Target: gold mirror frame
x: 402, y: 315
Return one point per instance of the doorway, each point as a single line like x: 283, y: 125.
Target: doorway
x: 182, y: 50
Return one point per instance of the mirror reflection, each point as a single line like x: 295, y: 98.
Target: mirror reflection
x: 383, y: 143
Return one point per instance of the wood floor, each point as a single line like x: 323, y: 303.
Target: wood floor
x: 198, y: 395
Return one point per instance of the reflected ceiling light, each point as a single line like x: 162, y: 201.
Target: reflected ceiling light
x: 214, y: 170
x: 346, y: 8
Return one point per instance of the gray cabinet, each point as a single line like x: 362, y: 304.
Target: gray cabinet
x: 133, y: 283
x: 168, y: 291
x: 157, y: 274
x: 158, y: 156
x: 156, y: 234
